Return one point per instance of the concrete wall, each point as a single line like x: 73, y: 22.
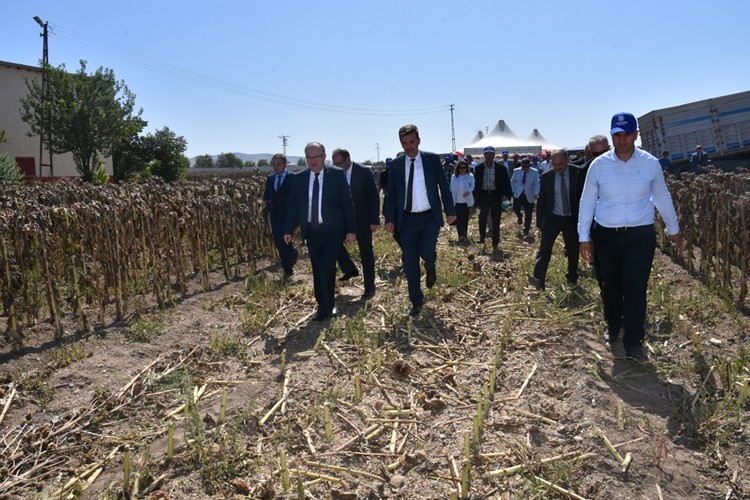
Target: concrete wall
x: 18, y: 143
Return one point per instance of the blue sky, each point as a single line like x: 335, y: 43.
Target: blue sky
x: 233, y: 76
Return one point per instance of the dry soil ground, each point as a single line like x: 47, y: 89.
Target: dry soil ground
x: 73, y: 409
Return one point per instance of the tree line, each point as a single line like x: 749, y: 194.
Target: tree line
x: 93, y: 116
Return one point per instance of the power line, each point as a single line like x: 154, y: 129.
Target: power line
x: 196, y: 78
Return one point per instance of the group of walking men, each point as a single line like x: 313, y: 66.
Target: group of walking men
x: 604, y: 209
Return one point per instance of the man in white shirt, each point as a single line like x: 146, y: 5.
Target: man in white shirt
x: 621, y: 190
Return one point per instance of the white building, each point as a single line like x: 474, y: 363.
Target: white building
x: 18, y: 143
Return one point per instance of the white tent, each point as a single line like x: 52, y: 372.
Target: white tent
x: 537, y: 138
x: 501, y: 137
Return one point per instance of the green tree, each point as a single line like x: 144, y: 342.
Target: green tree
x: 250, y: 164
x: 228, y: 160
x: 367, y: 162
x: 302, y: 162
x: 88, y: 115
x: 263, y: 163
x: 130, y: 157
x: 166, y: 149
x: 204, y: 161
x: 10, y: 172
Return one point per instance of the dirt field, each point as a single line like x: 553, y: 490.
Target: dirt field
x: 73, y: 410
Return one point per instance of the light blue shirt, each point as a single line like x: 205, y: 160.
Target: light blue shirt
x: 624, y: 194
x: 530, y: 188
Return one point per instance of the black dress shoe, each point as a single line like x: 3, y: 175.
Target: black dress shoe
x: 368, y: 295
x: 320, y: 315
x: 636, y: 353
x: 415, y: 310
x: 431, y: 277
x: 536, y: 283
x: 348, y: 276
x: 611, y: 335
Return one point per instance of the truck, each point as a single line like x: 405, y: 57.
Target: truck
x: 720, y: 124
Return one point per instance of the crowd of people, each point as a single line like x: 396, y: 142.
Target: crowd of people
x: 604, y: 208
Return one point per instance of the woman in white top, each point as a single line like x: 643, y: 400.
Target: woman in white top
x: 462, y: 187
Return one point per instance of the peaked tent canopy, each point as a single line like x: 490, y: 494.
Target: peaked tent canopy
x: 501, y: 137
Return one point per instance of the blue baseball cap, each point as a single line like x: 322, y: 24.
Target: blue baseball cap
x: 505, y: 151
x: 388, y: 160
x: 489, y: 149
x: 623, y: 122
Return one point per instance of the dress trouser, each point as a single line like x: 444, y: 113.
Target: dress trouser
x: 419, y: 235
x: 287, y: 253
x: 323, y: 250
x: 625, y: 256
x: 462, y: 219
x: 528, y: 208
x: 488, y: 205
x: 366, y: 256
x: 552, y: 226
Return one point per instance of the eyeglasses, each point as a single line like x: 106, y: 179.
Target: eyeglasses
x: 597, y: 153
x: 316, y: 157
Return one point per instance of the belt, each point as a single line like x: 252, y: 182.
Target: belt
x: 624, y: 229
x: 418, y: 214
x: 320, y: 226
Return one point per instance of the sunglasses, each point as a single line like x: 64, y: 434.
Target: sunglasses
x: 597, y: 153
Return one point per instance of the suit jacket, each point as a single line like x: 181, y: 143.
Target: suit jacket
x: 530, y: 188
x: 455, y: 183
x: 365, y: 196
x: 502, y: 182
x: 545, y: 204
x: 434, y: 177
x: 336, y: 205
x: 699, y: 158
x: 278, y: 201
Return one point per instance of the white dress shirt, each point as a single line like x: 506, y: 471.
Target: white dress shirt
x: 419, y: 200
x: 310, y: 195
x: 623, y: 194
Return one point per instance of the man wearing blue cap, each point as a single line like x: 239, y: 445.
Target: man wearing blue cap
x: 623, y: 185
x: 492, y: 188
x: 508, y: 163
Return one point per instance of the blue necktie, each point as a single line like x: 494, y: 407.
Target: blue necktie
x: 314, y: 222
x: 278, y: 182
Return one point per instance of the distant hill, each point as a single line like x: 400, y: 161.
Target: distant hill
x: 252, y: 157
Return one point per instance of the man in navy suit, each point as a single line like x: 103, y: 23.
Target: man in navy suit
x: 367, y: 212
x: 557, y: 211
x: 321, y: 204
x: 413, y: 211
x: 276, y: 196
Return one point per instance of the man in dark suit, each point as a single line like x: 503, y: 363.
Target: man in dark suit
x: 557, y: 210
x: 276, y: 197
x: 367, y: 212
x: 492, y: 187
x: 412, y: 209
x: 321, y: 204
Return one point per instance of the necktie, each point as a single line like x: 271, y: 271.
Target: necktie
x: 410, y: 186
x: 314, y: 205
x: 278, y: 182
x: 564, y: 195
x: 523, y: 179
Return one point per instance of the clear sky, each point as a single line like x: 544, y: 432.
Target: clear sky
x: 233, y: 76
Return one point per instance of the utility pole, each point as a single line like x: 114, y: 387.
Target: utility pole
x: 453, y: 130
x: 284, y: 142
x: 46, y: 117
x: 377, y: 148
